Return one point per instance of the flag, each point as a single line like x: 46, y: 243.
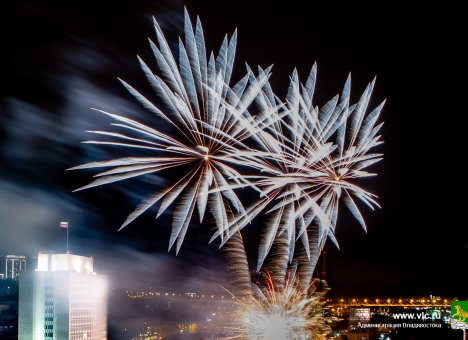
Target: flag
x: 63, y: 224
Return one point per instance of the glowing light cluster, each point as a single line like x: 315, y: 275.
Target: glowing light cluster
x: 281, y: 314
x: 275, y: 324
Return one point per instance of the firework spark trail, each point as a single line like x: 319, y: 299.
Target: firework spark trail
x: 209, y: 121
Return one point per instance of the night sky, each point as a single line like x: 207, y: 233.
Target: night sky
x: 61, y: 59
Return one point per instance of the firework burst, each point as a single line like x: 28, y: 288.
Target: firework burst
x: 280, y: 314
x: 333, y: 148
x: 311, y: 157
x: 209, y: 120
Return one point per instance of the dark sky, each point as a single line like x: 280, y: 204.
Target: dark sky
x: 60, y: 59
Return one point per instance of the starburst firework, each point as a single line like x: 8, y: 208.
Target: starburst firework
x: 310, y: 160
x: 209, y: 119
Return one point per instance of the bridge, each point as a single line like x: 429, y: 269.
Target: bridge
x: 388, y: 302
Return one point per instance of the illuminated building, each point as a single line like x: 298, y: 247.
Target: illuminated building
x: 14, y: 264
x: 63, y: 299
x: 2, y: 276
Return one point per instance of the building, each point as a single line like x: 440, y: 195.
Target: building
x: 2, y: 276
x: 8, y: 309
x: 14, y: 264
x: 63, y: 299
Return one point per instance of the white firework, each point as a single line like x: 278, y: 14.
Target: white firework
x: 312, y: 157
x: 329, y: 178
x: 209, y: 120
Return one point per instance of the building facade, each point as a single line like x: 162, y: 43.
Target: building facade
x: 14, y: 264
x: 63, y: 299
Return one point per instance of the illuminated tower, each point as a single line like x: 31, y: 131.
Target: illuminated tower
x: 14, y: 264
x: 63, y: 299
